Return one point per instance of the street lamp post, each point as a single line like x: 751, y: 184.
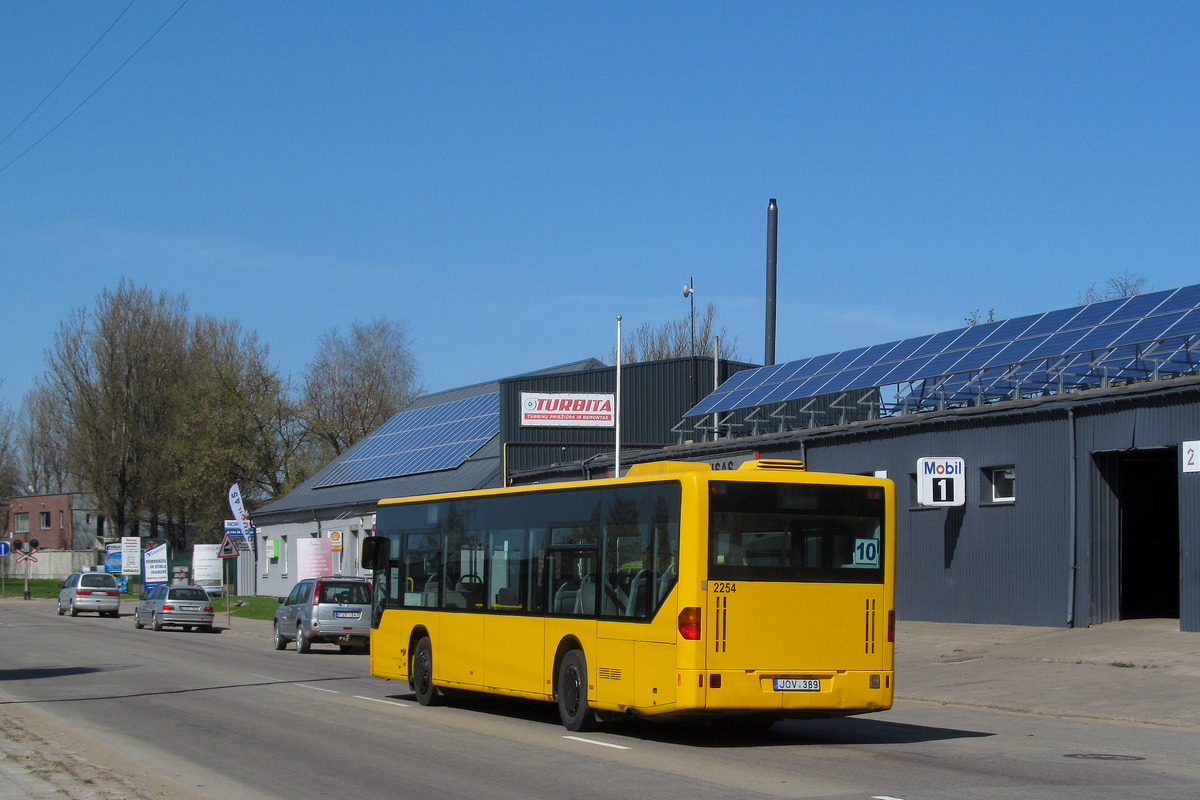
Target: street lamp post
x: 689, y: 291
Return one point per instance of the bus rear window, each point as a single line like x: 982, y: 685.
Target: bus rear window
x: 795, y: 532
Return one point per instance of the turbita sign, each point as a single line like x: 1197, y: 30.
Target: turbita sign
x: 568, y: 410
x: 941, y: 481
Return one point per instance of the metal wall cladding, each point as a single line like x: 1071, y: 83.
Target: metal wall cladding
x: 982, y: 562
x: 654, y: 396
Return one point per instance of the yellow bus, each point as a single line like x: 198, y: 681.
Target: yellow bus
x: 675, y: 591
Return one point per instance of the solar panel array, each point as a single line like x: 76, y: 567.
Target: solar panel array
x: 1131, y: 337
x: 422, y: 440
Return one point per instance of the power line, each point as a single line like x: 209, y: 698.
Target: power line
x: 69, y: 72
x: 97, y: 89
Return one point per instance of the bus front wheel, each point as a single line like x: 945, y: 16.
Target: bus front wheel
x: 421, y: 674
x: 573, y: 706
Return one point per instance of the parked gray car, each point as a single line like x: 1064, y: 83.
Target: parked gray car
x: 186, y: 606
x: 90, y: 591
x: 330, y: 609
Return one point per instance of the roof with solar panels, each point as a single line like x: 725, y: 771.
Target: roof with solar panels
x: 442, y: 442
x: 1148, y: 336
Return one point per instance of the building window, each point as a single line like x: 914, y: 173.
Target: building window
x: 1003, y: 483
x: 45, y: 515
x: 60, y: 520
x: 21, y: 522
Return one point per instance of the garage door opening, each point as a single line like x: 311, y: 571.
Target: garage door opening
x: 1137, y: 535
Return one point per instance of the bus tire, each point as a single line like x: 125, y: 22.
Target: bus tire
x: 573, y: 706
x: 420, y: 677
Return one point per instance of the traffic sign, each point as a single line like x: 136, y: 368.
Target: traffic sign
x: 29, y: 556
x: 5, y: 549
x: 941, y: 481
x: 228, y: 548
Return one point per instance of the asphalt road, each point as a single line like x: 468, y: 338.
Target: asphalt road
x: 225, y: 715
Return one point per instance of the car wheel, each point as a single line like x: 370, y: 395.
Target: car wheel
x: 61, y: 610
x: 420, y: 677
x: 137, y: 621
x: 74, y: 610
x: 573, y: 706
x: 302, y: 644
x: 154, y: 622
x: 280, y: 642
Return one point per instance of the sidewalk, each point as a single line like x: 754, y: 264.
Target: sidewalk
x: 1143, y: 671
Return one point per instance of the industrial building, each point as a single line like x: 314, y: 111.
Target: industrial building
x: 1077, y: 431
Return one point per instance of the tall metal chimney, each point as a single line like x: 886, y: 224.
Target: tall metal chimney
x: 772, y: 247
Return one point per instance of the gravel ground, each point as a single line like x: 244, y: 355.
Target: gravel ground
x: 42, y: 759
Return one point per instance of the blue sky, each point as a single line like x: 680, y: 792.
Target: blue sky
x: 508, y: 177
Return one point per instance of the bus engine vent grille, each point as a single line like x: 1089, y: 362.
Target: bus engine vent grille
x: 610, y: 674
x: 778, y: 464
x: 719, y: 623
x: 870, y: 647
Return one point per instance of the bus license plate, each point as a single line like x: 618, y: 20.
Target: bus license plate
x: 797, y: 685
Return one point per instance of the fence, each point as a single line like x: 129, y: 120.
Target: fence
x: 55, y: 564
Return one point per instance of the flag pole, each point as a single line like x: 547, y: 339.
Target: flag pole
x: 617, y: 412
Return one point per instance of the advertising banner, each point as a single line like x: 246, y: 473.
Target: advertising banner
x: 314, y: 558
x: 206, y: 566
x: 156, y: 567
x: 112, y: 557
x: 233, y: 529
x: 567, y: 410
x: 131, y: 555
x: 239, y: 511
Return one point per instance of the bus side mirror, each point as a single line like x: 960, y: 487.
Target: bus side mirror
x: 375, y: 552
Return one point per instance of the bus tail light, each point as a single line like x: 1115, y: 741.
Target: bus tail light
x: 891, y: 626
x: 689, y: 623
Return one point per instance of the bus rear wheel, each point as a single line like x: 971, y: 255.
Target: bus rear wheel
x: 420, y: 677
x: 573, y: 708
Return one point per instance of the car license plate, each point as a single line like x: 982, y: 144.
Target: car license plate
x: 102, y: 594
x: 189, y: 608
x: 345, y: 614
x: 797, y: 685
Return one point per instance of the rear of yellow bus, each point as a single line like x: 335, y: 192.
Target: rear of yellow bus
x: 795, y: 614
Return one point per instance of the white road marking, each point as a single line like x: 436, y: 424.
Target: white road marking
x: 265, y: 677
x: 884, y: 797
x: 377, y: 700
x: 593, y: 741
x: 317, y: 688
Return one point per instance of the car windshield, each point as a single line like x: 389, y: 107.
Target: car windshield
x: 98, y: 580
x: 189, y: 593
x: 350, y: 592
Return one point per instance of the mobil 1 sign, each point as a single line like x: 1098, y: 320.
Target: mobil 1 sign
x: 941, y: 482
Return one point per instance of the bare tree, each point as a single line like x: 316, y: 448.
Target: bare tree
x: 1127, y: 284
x: 42, y: 450
x: 116, y: 371
x: 673, y: 339
x: 10, y: 474
x: 357, y: 382
x: 975, y: 318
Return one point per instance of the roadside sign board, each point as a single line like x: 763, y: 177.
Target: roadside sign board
x: 5, y: 549
x: 156, y: 566
x: 131, y: 555
x: 941, y: 481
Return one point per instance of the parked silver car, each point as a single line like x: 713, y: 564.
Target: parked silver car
x: 330, y: 609
x: 186, y: 606
x: 90, y: 591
